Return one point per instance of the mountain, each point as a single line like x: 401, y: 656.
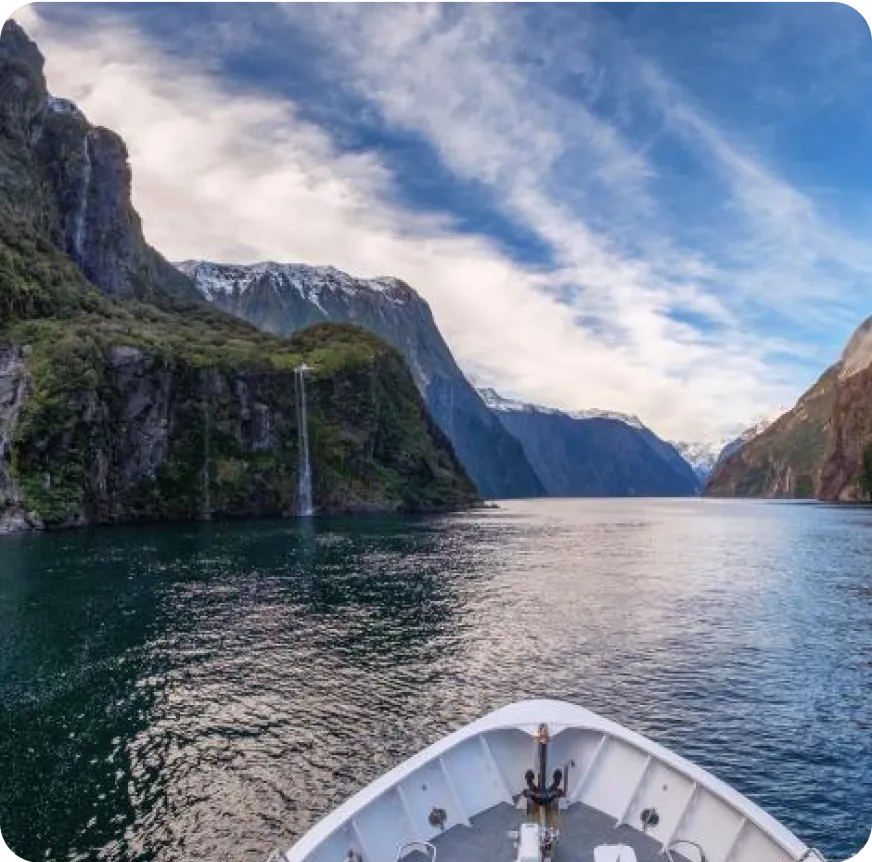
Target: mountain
x: 786, y: 459
x: 594, y: 453
x: 73, y: 181
x: 749, y: 433
x: 284, y: 298
x: 847, y: 471
x: 704, y: 457
x: 124, y: 396
x: 822, y: 448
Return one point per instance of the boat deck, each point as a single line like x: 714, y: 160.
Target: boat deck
x: 582, y: 830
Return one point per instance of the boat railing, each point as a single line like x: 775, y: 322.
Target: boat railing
x: 424, y: 846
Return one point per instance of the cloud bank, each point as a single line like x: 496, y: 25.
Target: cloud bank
x: 638, y: 307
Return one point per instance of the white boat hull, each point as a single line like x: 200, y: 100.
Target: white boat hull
x: 612, y: 771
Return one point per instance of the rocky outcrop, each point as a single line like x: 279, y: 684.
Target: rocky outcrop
x: 284, y: 298
x: 123, y: 433
x: 817, y: 449
x: 14, y: 388
x: 72, y: 181
x: 13, y: 393
x: 787, y: 459
x: 850, y: 440
x: 594, y: 453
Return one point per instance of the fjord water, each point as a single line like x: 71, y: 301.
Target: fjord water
x: 209, y: 691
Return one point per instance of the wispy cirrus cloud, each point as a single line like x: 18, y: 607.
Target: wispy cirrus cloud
x: 554, y: 123
x: 458, y: 81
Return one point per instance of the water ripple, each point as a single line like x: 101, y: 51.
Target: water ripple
x: 203, y: 692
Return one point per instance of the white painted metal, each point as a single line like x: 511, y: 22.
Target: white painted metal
x: 636, y: 787
x: 528, y: 843
x: 673, y: 830
x: 614, y: 853
x: 621, y: 773
x: 575, y: 795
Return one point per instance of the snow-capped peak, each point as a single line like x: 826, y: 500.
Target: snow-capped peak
x: 705, y: 456
x: 225, y: 279
x: 594, y: 413
x: 495, y: 401
x: 702, y: 457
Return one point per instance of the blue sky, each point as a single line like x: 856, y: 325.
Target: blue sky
x: 662, y: 209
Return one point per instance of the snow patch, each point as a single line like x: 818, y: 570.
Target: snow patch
x: 313, y: 283
x: 495, y: 401
x: 705, y: 456
x: 593, y: 413
x: 63, y: 106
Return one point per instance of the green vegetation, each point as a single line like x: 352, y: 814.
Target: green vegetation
x: 75, y: 454
x: 37, y: 280
x: 866, y: 472
x: 157, y: 405
x: 785, y: 460
x: 372, y: 443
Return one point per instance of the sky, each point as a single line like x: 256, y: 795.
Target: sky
x: 660, y: 209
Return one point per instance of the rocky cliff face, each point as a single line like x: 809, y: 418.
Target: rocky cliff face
x: 118, y: 432
x: 704, y: 457
x: 815, y: 450
x: 283, y: 298
x: 72, y: 182
x: 594, y: 453
x: 842, y: 474
x: 117, y: 409
x: 787, y: 459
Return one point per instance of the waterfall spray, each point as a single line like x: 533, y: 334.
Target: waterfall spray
x: 304, y: 506
x: 81, y: 214
x: 206, y: 496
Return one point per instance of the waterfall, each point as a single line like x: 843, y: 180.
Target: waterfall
x: 79, y: 223
x: 205, y: 477
x: 304, y: 506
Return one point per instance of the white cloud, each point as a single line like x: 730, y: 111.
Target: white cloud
x: 230, y: 175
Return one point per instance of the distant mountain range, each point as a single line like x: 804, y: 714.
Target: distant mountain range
x: 594, y: 452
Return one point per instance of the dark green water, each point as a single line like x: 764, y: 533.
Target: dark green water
x: 209, y: 691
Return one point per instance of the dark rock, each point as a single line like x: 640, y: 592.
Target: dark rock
x: 73, y: 181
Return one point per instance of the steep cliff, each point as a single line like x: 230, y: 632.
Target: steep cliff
x: 594, y: 453
x: 822, y: 447
x: 847, y: 470
x: 283, y: 298
x: 116, y: 409
x: 704, y: 457
x: 71, y: 181
x: 787, y: 459
x: 101, y: 423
